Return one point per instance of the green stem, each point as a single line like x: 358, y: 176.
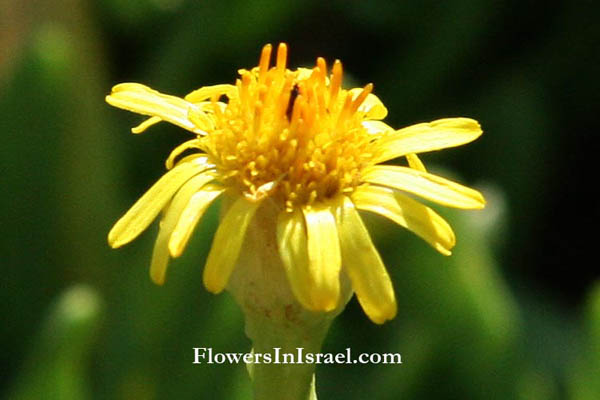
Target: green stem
x: 274, y: 318
x: 284, y: 380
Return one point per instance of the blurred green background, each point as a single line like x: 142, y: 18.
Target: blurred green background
x: 513, y: 314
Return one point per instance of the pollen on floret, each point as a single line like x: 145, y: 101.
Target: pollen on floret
x: 292, y: 135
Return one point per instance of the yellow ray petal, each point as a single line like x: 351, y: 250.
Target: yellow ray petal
x: 203, y: 121
x: 160, y: 254
x: 292, y: 244
x: 145, y: 125
x: 408, y: 213
x: 207, y: 92
x: 190, y: 216
x: 371, y: 106
x: 227, y: 244
x: 143, y: 212
x: 377, y: 127
x: 415, y: 162
x: 177, y: 151
x: 364, y: 267
x: 143, y: 100
x: 194, y: 116
x: 426, y: 185
x: 324, y: 256
x: 209, y: 107
x: 429, y: 136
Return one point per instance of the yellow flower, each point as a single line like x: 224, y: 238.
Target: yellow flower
x: 297, y: 141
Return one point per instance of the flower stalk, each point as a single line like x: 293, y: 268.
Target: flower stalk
x: 274, y: 320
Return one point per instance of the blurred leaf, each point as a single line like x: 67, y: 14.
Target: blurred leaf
x: 583, y: 383
x: 56, y: 367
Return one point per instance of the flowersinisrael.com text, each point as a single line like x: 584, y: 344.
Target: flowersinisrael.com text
x: 206, y: 355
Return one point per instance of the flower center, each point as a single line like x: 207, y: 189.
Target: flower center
x: 293, y: 135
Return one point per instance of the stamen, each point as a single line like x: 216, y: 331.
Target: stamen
x: 344, y: 112
x: 322, y: 66
x: 294, y: 135
x: 336, y: 83
x: 320, y: 96
x: 263, y: 66
x: 246, y: 103
x: 244, y: 93
x: 216, y: 109
x: 281, y: 57
x: 258, y: 113
x: 361, y: 97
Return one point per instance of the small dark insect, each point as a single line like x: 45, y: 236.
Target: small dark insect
x: 290, y: 107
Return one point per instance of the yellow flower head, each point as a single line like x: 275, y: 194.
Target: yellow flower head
x: 297, y: 141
